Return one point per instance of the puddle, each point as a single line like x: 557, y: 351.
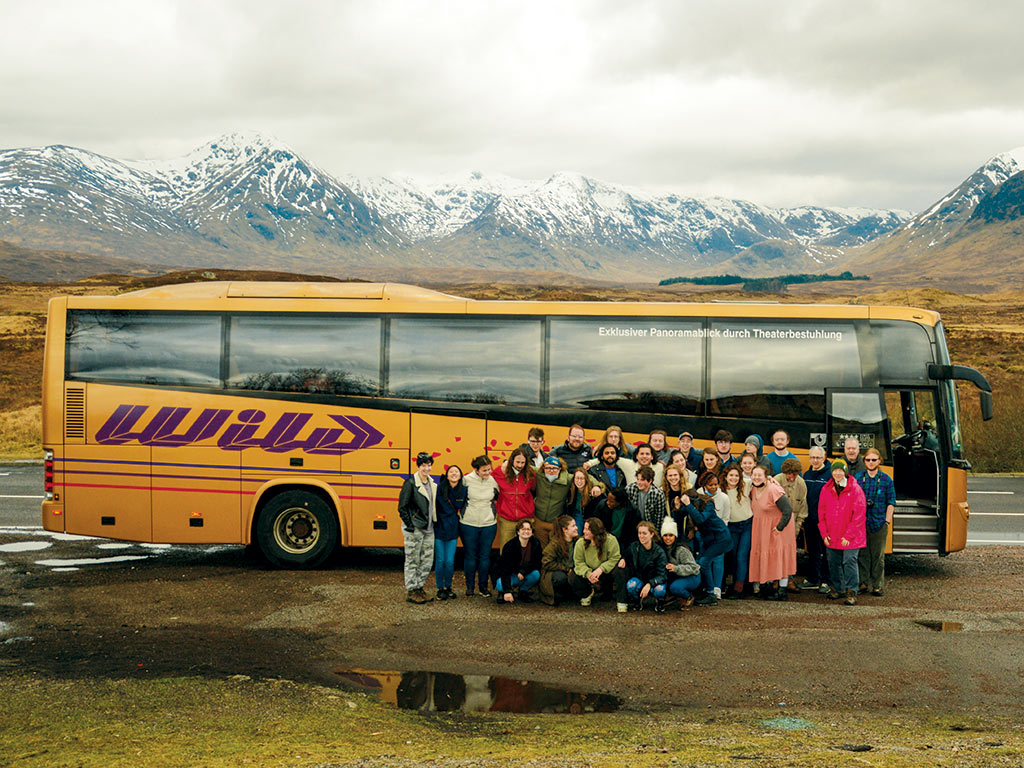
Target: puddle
x: 444, y: 692
x: 942, y: 626
x: 25, y: 546
x: 788, y: 724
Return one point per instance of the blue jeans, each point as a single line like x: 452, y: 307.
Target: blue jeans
x: 843, y: 570
x: 683, y: 586
x: 444, y: 562
x: 712, y: 571
x: 634, y: 585
x: 740, y: 557
x: 529, y: 582
x: 476, y: 547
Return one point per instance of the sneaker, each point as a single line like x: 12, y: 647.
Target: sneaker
x: 850, y: 599
x: 708, y: 599
x: 824, y: 588
x: 779, y: 596
x: 451, y: 595
x: 832, y: 595
x: 718, y: 593
x: 485, y: 592
x: 442, y: 594
x: 732, y: 594
x: 469, y: 592
x: 659, y: 607
x: 876, y: 592
x: 810, y: 585
x: 586, y: 601
x: 621, y: 607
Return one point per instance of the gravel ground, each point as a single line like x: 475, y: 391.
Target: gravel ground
x: 218, y: 611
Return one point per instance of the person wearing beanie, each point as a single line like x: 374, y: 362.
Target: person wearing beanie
x: 841, y: 521
x: 549, y: 500
x: 683, y: 571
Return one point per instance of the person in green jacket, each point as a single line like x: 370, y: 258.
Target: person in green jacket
x: 556, y: 562
x: 552, y: 490
x: 595, y: 558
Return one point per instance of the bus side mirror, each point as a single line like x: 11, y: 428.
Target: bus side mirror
x: 986, y: 405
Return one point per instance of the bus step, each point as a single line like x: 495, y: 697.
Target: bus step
x: 915, y: 541
x: 914, y: 522
x: 912, y: 503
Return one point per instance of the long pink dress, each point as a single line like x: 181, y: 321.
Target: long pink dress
x: 772, y: 552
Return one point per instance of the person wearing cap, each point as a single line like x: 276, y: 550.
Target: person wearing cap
x: 417, y: 507
x: 754, y: 445
x: 549, y: 502
x: 841, y: 519
x: 683, y: 571
x: 693, y: 455
x: 880, y: 495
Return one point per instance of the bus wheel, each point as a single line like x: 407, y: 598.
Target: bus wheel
x: 297, y: 529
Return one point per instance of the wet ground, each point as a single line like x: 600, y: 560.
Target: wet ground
x: 947, y: 635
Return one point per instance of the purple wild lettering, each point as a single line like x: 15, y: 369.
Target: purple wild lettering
x: 281, y: 437
x: 324, y: 441
x: 238, y: 437
x: 116, y: 430
x: 207, y: 424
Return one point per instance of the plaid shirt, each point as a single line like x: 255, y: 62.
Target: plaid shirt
x: 880, y: 493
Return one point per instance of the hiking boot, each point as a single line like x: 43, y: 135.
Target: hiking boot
x: 876, y: 592
x: 411, y: 597
x: 423, y: 597
x: 779, y: 596
x: 586, y: 601
x: 685, y: 602
x: 733, y: 594
x: 850, y: 598
x: 451, y: 595
x: 442, y: 594
x: 485, y: 592
x: 659, y: 607
x: 708, y: 599
x: 833, y: 595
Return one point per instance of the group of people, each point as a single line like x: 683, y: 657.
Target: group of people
x: 648, y: 523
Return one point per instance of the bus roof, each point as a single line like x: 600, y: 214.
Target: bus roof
x: 367, y: 297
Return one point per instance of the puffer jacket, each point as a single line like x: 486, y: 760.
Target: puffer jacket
x: 648, y: 565
x: 843, y: 515
x: 515, y: 497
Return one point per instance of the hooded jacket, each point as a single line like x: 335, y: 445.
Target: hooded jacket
x: 842, y: 515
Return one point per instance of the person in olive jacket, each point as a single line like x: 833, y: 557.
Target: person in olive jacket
x: 646, y: 574
x: 549, y: 501
x: 556, y: 562
x: 417, y: 506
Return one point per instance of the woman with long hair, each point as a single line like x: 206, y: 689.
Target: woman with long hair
x: 556, y: 562
x: 683, y: 571
x: 451, y: 504
x: 516, y: 483
x: 674, y: 484
x: 518, y: 565
x: 613, y: 436
x: 737, y: 490
x: 713, y: 541
x: 710, y: 462
x: 644, y: 563
x: 595, y: 563
x: 708, y: 489
x: 772, y: 537
x: 581, y: 502
x: 478, y: 525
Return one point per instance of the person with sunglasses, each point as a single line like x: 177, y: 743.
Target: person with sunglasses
x: 880, y: 494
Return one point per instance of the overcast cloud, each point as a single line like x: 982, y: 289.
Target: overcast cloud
x: 881, y: 104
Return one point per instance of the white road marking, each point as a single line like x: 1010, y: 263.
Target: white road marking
x: 995, y: 493
x: 995, y: 541
x: 997, y: 514
x: 22, y: 497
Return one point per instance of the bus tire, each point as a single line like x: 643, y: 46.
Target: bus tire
x: 297, y: 529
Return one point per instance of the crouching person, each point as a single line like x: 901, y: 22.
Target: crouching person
x: 683, y: 571
x: 644, y: 564
x: 556, y: 562
x: 595, y: 559
x: 519, y: 565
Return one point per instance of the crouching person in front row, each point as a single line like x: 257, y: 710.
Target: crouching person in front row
x: 595, y: 560
x: 683, y: 571
x: 519, y: 565
x: 644, y: 564
x: 557, y: 563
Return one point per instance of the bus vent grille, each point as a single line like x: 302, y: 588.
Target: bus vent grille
x: 74, y: 414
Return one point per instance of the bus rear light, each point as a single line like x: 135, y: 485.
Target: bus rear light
x: 48, y: 474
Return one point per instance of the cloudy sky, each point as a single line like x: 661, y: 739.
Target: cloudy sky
x: 880, y: 104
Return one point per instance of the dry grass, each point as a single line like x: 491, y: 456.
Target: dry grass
x: 21, y: 433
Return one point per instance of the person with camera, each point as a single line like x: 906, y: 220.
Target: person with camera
x: 880, y: 494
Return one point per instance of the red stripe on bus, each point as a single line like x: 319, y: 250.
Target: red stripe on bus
x: 203, y: 490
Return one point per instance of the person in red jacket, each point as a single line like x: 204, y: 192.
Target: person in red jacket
x: 516, y: 483
x: 842, y: 513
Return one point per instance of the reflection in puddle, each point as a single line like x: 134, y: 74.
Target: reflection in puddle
x: 444, y: 692
x: 942, y: 626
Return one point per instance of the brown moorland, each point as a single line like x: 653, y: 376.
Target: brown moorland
x: 984, y: 330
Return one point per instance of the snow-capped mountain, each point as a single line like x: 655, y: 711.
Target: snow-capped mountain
x: 246, y: 200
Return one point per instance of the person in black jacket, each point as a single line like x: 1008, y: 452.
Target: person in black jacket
x: 644, y: 561
x: 607, y: 471
x: 619, y: 516
x: 451, y: 503
x: 519, y: 565
x: 417, y: 506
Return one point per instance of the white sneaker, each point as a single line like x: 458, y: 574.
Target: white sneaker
x: 587, y: 600
x: 621, y: 607
x: 718, y: 592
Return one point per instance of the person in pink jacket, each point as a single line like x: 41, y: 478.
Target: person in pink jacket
x: 842, y: 512
x: 516, y: 482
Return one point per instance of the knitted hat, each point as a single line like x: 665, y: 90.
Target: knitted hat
x: 840, y: 465
x: 553, y: 461
x: 670, y: 527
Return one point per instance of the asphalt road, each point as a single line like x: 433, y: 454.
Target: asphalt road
x: 997, y: 503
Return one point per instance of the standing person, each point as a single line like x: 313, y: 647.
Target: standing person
x: 417, y: 506
x: 613, y: 436
x: 585, y: 493
x: 747, y: 463
x: 817, y: 562
x: 607, y: 471
x: 534, y: 447
x: 713, y: 540
x: 780, y: 440
x: 740, y: 527
x: 841, y: 520
x: 880, y: 497
x: 574, y: 451
x: 796, y: 491
x: 658, y: 440
x: 772, y: 542
x: 693, y: 455
x: 677, y: 459
x: 710, y: 487
x: 711, y: 462
x: 683, y: 571
x: 556, y: 562
x: 754, y: 445
x: 516, y: 483
x: 479, y: 525
x: 595, y: 560
x: 851, y: 453
x: 673, y: 485
x: 723, y: 448
x: 644, y: 563
x: 618, y: 516
x: 518, y: 565
x: 644, y: 457
x: 646, y: 497
x: 552, y: 491
x: 452, y: 497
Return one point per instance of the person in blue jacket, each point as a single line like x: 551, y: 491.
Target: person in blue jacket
x: 452, y: 496
x: 815, y: 478
x: 713, y: 539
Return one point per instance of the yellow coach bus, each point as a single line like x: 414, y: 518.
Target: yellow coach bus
x: 288, y: 414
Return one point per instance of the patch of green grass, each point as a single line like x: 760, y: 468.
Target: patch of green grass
x: 190, y: 721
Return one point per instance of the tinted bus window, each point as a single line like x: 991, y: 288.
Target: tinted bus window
x: 904, y: 351
x: 627, y: 365
x: 465, y: 359
x: 770, y: 369
x: 144, y: 347
x: 305, y: 353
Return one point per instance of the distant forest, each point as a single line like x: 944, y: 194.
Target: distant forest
x: 765, y: 284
